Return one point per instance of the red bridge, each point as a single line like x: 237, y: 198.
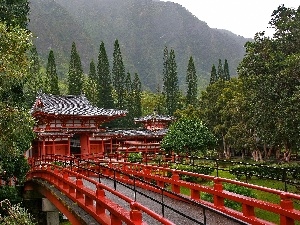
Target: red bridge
x: 94, y: 191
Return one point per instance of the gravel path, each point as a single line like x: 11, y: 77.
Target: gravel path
x: 193, y: 211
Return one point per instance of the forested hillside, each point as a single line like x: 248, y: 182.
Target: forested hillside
x: 143, y: 28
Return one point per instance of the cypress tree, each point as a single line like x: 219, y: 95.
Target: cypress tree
x: 137, y: 96
x: 213, y: 75
x: 75, y: 74
x: 191, y: 80
x: 51, y: 74
x: 118, y: 75
x: 129, y: 119
x: 171, y: 87
x: 92, y: 71
x: 220, y: 72
x: 35, y: 82
x: 105, y: 99
x: 226, y: 70
x: 90, y: 85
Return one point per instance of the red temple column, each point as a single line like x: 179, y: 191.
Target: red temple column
x: 85, y: 144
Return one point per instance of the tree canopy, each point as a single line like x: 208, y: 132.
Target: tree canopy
x: 188, y: 135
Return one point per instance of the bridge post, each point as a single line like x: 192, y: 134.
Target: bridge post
x: 51, y: 211
x: 79, y: 184
x: 195, y: 194
x: 135, y: 214
x: 287, y: 204
x: 175, y: 186
x: 100, y: 194
x: 115, y: 219
x: 218, y: 187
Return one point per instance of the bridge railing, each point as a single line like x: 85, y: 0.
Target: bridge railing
x: 163, y: 176
x: 93, y: 201
x: 100, y: 170
x: 169, y: 177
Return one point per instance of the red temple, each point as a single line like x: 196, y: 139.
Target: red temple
x: 70, y: 125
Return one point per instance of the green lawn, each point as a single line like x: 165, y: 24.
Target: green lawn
x: 263, y: 195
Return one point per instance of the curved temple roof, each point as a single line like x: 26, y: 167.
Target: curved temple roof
x: 70, y: 105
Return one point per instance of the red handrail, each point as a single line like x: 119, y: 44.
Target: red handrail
x: 86, y: 197
x: 288, y: 214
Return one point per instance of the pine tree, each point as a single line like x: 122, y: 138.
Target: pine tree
x: 92, y: 71
x: 128, y: 121
x: 75, y: 74
x: 191, y: 80
x: 226, y: 70
x: 51, y: 74
x: 105, y: 99
x: 171, y: 87
x: 220, y: 75
x: 35, y: 81
x: 90, y: 85
x: 118, y: 75
x: 137, y: 96
x: 213, y: 75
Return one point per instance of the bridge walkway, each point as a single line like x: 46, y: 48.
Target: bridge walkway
x: 177, y: 211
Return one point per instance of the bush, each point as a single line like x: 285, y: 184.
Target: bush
x: 272, y: 171
x: 232, y: 188
x: 135, y: 157
x: 200, y: 169
x: 11, y: 193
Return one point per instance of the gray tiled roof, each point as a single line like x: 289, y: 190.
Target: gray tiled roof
x: 127, y: 133
x: 70, y: 105
x: 154, y: 117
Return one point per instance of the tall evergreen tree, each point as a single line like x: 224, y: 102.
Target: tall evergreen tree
x: 137, y: 96
x: 213, y: 75
x: 171, y: 87
x: 75, y: 74
x: 92, y: 71
x: 105, y: 99
x: 118, y: 75
x: 129, y: 119
x: 90, y: 85
x: 51, y: 74
x: 35, y: 81
x: 191, y: 80
x: 220, y: 72
x: 226, y: 70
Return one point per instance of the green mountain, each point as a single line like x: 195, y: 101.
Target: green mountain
x: 143, y: 28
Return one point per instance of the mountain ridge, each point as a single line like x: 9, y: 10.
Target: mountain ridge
x: 143, y: 28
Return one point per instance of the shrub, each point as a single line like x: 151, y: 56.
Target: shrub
x: 135, y: 157
x: 200, y: 169
x: 231, y: 188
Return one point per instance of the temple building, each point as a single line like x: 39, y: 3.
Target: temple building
x: 71, y: 125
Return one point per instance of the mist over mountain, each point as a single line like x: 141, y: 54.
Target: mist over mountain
x: 143, y: 28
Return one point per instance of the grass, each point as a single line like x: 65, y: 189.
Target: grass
x: 265, y: 196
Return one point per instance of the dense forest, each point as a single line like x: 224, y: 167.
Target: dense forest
x: 143, y: 29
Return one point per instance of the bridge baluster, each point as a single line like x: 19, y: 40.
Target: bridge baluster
x: 218, y: 200
x: 175, y: 186
x: 287, y: 204
x: 65, y: 178
x: 135, y: 214
x: 115, y: 219
x: 195, y: 194
x: 100, y: 194
x: 79, y: 184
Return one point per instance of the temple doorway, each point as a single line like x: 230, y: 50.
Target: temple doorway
x: 75, y: 145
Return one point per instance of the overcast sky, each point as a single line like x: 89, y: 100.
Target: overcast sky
x: 242, y: 17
